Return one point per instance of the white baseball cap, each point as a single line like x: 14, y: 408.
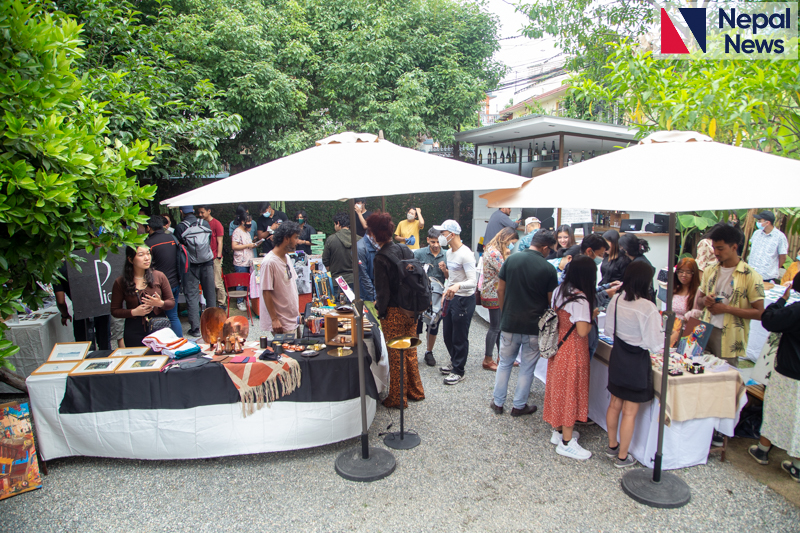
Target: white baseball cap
x: 531, y: 220
x: 449, y: 225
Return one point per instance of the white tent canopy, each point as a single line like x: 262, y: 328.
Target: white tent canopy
x: 666, y: 172
x: 345, y: 166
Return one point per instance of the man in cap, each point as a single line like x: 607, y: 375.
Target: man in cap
x: 459, y: 298
x: 532, y: 225
x: 201, y: 273
x: 768, y: 247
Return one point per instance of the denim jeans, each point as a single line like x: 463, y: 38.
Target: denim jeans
x: 456, y: 330
x: 172, y: 314
x: 511, y: 344
x: 240, y: 288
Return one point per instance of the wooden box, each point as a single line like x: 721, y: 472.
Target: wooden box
x: 616, y: 218
x: 332, y: 335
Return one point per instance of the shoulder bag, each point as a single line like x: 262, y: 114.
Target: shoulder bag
x: 628, y: 365
x: 153, y: 323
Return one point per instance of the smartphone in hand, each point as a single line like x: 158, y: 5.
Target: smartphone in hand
x: 258, y: 242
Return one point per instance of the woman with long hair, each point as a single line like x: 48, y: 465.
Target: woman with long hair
x: 614, y: 262
x: 395, y: 322
x: 635, y: 324
x: 494, y: 255
x: 687, y: 281
x: 635, y: 248
x: 145, y: 291
x: 564, y: 240
x: 243, y: 246
x: 566, y: 396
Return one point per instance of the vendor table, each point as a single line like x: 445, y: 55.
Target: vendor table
x: 35, y: 339
x: 696, y: 406
x: 196, y: 413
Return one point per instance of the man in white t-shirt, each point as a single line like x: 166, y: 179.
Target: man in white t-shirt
x: 459, y: 298
x: 768, y: 248
x: 280, y: 304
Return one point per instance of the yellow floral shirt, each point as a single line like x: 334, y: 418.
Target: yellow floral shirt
x: 748, y: 287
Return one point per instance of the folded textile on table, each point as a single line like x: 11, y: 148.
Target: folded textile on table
x: 184, y: 349
x: 258, y: 382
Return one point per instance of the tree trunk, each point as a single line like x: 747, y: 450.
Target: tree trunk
x: 16, y: 381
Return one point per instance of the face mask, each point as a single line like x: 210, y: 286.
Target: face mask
x: 511, y: 245
x: 266, y: 214
x: 759, y: 225
x: 359, y: 206
x: 443, y: 241
x: 598, y: 260
x: 300, y: 220
x: 798, y: 257
x: 410, y: 216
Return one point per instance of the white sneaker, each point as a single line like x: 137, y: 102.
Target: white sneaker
x: 241, y: 306
x: 573, y: 450
x: 453, y: 379
x: 558, y: 437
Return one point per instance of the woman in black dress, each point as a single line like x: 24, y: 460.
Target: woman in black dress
x: 614, y: 262
x: 635, y: 248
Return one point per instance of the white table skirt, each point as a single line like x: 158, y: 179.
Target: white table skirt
x: 685, y: 443
x: 200, y: 432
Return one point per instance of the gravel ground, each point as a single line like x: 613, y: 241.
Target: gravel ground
x: 474, y: 471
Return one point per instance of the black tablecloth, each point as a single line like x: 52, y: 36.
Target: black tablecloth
x: 323, y: 379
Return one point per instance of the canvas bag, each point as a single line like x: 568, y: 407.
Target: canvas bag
x: 198, y: 242
x: 549, y: 343
x: 414, y: 292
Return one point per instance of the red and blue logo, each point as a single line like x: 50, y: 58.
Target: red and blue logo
x: 672, y: 41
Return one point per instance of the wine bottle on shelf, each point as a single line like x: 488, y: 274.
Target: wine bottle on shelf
x: 514, y: 154
x: 502, y: 156
x: 536, y: 152
x: 570, y: 162
x: 530, y: 153
x: 480, y: 157
x: 583, y: 156
x: 494, y: 157
x: 553, y: 153
x: 543, y: 155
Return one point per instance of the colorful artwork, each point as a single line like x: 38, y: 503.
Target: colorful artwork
x: 695, y: 337
x: 19, y: 469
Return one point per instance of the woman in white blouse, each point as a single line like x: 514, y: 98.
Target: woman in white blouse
x: 633, y: 320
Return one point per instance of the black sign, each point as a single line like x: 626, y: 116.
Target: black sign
x: 90, y: 290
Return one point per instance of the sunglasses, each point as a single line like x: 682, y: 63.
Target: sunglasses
x: 288, y: 272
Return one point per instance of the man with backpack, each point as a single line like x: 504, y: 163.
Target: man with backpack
x: 459, y: 299
x: 527, y: 282
x: 165, y: 256
x: 195, y: 234
x: 430, y: 257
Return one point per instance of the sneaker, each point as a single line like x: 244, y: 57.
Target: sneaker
x: 194, y: 332
x: 573, y: 450
x: 241, y: 306
x: 558, y: 437
x: 622, y: 463
x: 447, y: 369
x: 760, y: 456
x: 453, y: 379
x: 429, y: 359
x: 792, y: 470
x: 612, y: 453
x: 718, y: 440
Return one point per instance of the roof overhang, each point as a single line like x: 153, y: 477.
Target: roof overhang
x: 533, y: 126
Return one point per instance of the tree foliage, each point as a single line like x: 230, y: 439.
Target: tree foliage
x: 65, y: 183
x: 299, y: 70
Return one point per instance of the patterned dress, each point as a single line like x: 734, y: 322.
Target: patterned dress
x: 398, y: 324
x: 566, y: 396
x: 781, y: 424
x: 492, y: 263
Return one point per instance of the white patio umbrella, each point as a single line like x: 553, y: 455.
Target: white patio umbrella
x: 341, y: 167
x: 668, y: 172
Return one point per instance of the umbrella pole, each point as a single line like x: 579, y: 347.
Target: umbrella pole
x: 662, y: 490
x: 365, y: 463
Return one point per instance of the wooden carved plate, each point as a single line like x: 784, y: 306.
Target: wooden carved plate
x: 212, y: 322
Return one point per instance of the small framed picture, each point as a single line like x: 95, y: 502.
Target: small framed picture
x: 69, y: 351
x: 129, y: 352
x: 90, y: 367
x: 55, y: 368
x: 147, y: 363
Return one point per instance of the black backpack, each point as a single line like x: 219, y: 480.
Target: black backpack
x: 414, y: 292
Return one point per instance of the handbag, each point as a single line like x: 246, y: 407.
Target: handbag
x: 629, y: 365
x: 153, y: 323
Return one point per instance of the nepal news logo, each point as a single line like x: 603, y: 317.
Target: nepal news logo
x: 730, y: 31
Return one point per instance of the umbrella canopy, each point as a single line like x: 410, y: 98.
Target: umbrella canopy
x: 347, y: 165
x: 666, y: 172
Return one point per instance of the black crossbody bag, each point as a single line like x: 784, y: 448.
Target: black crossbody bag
x: 629, y: 365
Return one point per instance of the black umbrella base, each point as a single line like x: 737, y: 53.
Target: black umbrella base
x: 408, y: 440
x: 351, y: 466
x: 671, y: 493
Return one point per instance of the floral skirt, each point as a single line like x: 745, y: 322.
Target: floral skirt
x: 781, y: 424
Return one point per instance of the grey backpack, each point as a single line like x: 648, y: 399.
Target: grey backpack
x: 198, y: 242
x: 549, y: 343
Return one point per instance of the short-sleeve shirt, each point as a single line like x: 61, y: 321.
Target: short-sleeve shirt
x: 529, y: 278
x: 216, y: 231
x: 407, y: 228
x: 764, y: 251
x: 244, y: 257
x: 497, y: 222
x: 426, y: 257
x: 579, y: 309
x: 748, y: 287
x: 279, y: 277
x: 361, y: 230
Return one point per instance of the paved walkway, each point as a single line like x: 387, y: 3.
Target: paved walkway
x: 474, y: 471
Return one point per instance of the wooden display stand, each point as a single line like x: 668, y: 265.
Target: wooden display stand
x: 332, y: 336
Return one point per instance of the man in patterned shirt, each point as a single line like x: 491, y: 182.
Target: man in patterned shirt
x: 768, y: 247
x: 731, y: 294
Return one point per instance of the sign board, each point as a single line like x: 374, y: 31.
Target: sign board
x: 575, y: 216
x: 90, y: 290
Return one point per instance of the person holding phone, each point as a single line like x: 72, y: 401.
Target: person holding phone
x: 243, y: 245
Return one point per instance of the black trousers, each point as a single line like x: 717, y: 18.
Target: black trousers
x: 102, y: 331
x: 456, y: 330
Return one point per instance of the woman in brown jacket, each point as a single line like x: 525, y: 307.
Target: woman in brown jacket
x: 145, y: 291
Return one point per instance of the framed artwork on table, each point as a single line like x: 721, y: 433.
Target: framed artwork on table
x: 90, y: 367
x: 69, y: 351
x: 147, y: 363
x: 56, y: 368
x: 129, y: 352
x: 19, y: 468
